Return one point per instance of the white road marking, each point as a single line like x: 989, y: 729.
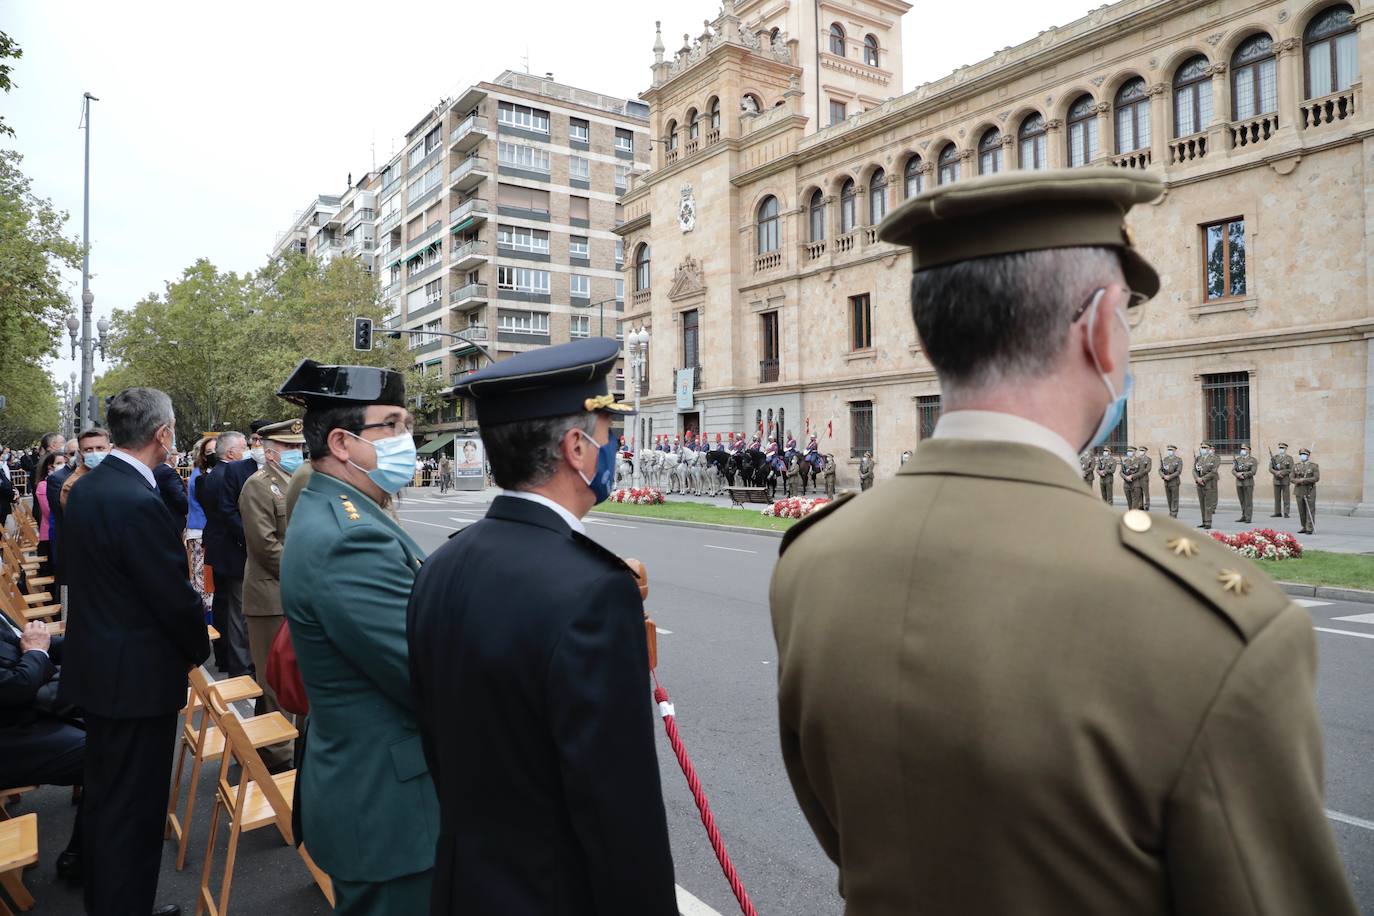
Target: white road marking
x: 731, y: 549
x: 465, y: 521
x: 1308, y: 602
x: 1344, y: 819
x: 688, y: 905
x: 595, y: 521
x: 1344, y: 632
x: 416, y: 521
x: 1358, y: 618
x: 663, y: 632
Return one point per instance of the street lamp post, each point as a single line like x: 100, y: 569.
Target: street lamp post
x: 87, y: 297
x: 638, y: 342
x: 601, y: 332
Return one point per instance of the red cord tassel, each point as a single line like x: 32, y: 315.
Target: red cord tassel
x: 665, y: 709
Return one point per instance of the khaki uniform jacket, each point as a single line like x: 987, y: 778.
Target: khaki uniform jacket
x: 1281, y: 469
x: 1243, y: 469
x: 1170, y: 469
x: 1143, y: 466
x: 989, y: 730
x: 262, y: 506
x: 1306, y: 474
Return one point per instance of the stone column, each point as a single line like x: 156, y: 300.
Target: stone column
x: 1219, y: 131
x: 1364, y: 506
x: 1054, y: 144
x: 1161, y: 123
x: 1106, y: 135
x: 1010, y: 154
x: 1290, y: 84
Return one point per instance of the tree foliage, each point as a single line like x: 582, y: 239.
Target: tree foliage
x: 9, y: 48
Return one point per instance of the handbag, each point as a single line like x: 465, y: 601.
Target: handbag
x: 284, y: 674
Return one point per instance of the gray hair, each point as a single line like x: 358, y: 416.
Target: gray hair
x: 135, y: 414
x: 228, y: 440
x: 997, y: 319
x: 526, y: 453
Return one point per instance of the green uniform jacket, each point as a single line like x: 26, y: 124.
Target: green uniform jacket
x: 1170, y: 469
x: 1306, y: 474
x: 987, y: 729
x: 1281, y: 468
x: 1243, y: 469
x: 368, y: 808
x: 262, y: 506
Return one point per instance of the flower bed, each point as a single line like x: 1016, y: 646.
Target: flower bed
x: 639, y: 496
x: 1262, y: 544
x: 794, y: 508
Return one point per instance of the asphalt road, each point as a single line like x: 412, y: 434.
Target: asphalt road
x: 709, y: 597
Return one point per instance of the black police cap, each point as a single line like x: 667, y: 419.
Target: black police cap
x: 549, y: 382
x: 313, y: 385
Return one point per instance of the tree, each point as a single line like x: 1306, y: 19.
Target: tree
x: 31, y: 404
x: 9, y: 48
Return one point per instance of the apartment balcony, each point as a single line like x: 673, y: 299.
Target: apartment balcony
x: 424, y: 237
x: 389, y: 222
x: 331, y: 219
x: 468, y: 256
x: 469, y: 134
x: 469, y: 174
x: 641, y: 297
x: 813, y: 251
x: 1330, y: 108
x: 1136, y: 159
x: 468, y: 214
x: 456, y: 378
x: 465, y: 297
x: 423, y: 273
x: 769, y: 261
x: 477, y: 332
x: 391, y: 290
x: 358, y: 218
x: 327, y: 243
x: 768, y: 371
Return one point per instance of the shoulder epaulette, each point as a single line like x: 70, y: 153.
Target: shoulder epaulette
x: 1232, y: 585
x: 344, y: 507
x: 811, y: 520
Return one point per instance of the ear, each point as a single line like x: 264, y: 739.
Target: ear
x: 337, y: 443
x: 1098, y: 331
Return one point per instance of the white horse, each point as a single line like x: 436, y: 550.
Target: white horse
x: 624, y: 472
x: 679, y: 463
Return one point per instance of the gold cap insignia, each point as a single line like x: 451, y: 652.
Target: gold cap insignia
x: 1137, y: 521
x: 1232, y: 581
x: 1183, y: 547
x: 297, y: 426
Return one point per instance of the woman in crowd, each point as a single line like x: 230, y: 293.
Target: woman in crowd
x: 202, y: 458
x: 46, y: 465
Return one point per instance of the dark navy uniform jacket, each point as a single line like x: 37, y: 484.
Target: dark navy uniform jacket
x: 530, y: 668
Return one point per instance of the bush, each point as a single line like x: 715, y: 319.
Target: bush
x: 794, y: 508
x: 1262, y: 544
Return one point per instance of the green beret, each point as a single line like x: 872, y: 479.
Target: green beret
x: 1027, y: 210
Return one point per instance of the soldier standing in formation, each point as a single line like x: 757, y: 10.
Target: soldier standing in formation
x: 1281, y: 468
x: 1205, y: 476
x: 1106, y: 474
x: 1243, y: 469
x: 866, y: 471
x: 1085, y: 464
x: 829, y: 474
x: 1170, y: 469
x: 1202, y: 789
x: 1306, y: 474
x: 1128, y: 479
x: 1144, y: 465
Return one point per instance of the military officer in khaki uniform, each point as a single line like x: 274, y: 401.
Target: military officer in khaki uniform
x: 1085, y: 464
x: 262, y: 505
x: 866, y: 471
x: 1129, y: 486
x: 949, y: 752
x: 1145, y: 464
x: 1170, y: 469
x: 1205, y: 476
x: 1243, y: 468
x: 1281, y: 469
x: 1306, y: 475
x: 1106, y: 474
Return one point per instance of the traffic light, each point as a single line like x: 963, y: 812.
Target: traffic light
x: 362, y: 333
x: 76, y: 413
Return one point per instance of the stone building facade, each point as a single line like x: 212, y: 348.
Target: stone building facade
x: 752, y: 251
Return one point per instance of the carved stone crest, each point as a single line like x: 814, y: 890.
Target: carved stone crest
x: 1215, y: 38
x: 687, y: 279
x: 687, y: 210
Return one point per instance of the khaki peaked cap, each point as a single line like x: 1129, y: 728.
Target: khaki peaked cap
x: 291, y: 432
x: 1021, y: 211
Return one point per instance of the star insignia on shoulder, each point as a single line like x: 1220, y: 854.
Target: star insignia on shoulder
x: 1233, y: 581
x: 1183, y: 547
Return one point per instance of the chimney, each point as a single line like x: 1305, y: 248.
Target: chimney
x: 548, y: 76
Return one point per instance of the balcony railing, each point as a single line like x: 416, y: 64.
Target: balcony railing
x: 327, y: 241
x: 467, y: 208
x: 845, y: 243
x: 712, y: 135
x: 870, y: 235
x: 691, y: 146
x: 1254, y: 131
x: 468, y: 169
x: 476, y: 291
x: 473, y: 332
x: 768, y: 370
x: 814, y: 250
x: 642, y: 296
x: 389, y: 222
x: 1136, y: 159
x: 1329, y: 108
x: 391, y: 289
x: 477, y: 248
x: 472, y: 124
x: 696, y: 377
x: 769, y: 261
x: 1187, y: 149
x: 671, y: 156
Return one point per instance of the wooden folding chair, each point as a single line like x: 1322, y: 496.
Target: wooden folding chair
x: 21, y: 608
x: 18, y: 849
x: 15, y: 563
x: 258, y: 800
x: 203, y: 741
x: 7, y: 794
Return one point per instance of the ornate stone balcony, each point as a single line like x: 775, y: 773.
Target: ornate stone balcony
x: 712, y: 135
x: 1187, y: 149
x: 845, y: 243
x: 642, y: 296
x: 870, y: 235
x: 813, y: 250
x: 1254, y: 131
x: 1329, y: 108
x: 1136, y: 159
x: 770, y: 261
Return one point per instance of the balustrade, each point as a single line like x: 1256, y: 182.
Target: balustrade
x: 815, y: 250
x: 1137, y: 159
x: 1187, y: 149
x: 769, y: 261
x: 1254, y: 131
x: 845, y: 243
x: 1329, y: 109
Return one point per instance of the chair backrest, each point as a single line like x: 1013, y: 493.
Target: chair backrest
x: 251, y: 765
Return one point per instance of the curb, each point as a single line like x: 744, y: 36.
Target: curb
x: 732, y: 529
x: 1300, y: 590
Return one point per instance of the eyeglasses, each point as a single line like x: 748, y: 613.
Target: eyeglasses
x: 1135, y: 306
x: 395, y: 427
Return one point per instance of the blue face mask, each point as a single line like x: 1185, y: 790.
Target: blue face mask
x: 395, y: 462
x: 604, y: 475
x: 91, y: 459
x: 290, y: 460
x: 1112, y: 415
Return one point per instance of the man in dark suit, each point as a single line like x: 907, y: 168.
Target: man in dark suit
x: 135, y: 628
x: 543, y: 668
x: 37, y: 747
x: 173, y: 492
x: 57, y: 479
x: 225, y: 549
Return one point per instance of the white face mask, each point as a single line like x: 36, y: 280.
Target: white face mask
x: 1171, y: 453
x: 1304, y: 457
x: 259, y: 455
x: 1244, y: 452
x: 1283, y: 451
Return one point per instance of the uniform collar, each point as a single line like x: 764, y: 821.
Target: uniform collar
x: 991, y: 426
x: 331, y: 488
x: 137, y: 465
x: 572, y: 521
x: 1001, y: 460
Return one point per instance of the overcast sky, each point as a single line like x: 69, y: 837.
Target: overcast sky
x: 217, y: 122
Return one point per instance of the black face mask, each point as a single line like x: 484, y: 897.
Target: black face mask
x: 211, y: 460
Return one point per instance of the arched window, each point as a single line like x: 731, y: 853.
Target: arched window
x: 642, y: 267
x: 849, y: 213
x: 816, y: 213
x: 990, y: 152
x: 1031, y: 137
x: 693, y: 124
x: 672, y: 135
x: 1192, y: 97
x: 714, y: 108
x: 1254, y: 78
x: 1082, y: 131
x: 1132, y: 117
x: 767, y: 225
x: 914, y: 178
x: 877, y: 197
x: 949, y: 164
x: 871, y: 50
x: 836, y: 39
x: 1332, y: 52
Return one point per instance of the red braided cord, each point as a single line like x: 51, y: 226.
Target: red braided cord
x: 704, y: 806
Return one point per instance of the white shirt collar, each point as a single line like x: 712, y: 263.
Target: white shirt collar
x: 991, y: 426
x: 135, y: 463
x: 573, y: 521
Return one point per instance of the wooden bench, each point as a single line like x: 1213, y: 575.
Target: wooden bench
x: 741, y: 495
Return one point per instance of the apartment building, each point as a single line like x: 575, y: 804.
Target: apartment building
x: 336, y: 225
x: 305, y: 225
x: 495, y: 221
x: 755, y: 262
